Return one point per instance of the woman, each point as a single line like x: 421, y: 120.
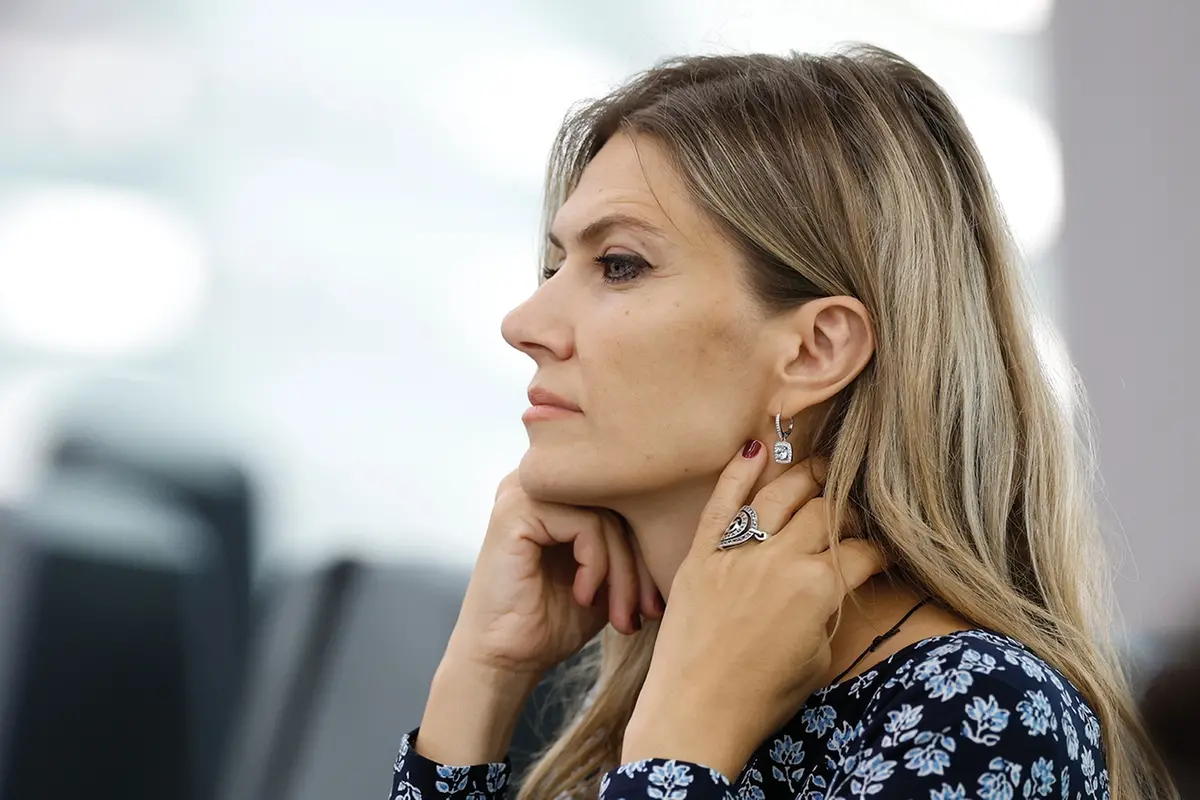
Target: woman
x: 802, y: 250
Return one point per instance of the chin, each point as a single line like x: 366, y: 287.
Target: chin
x: 564, y: 477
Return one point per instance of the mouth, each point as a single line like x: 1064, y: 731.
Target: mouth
x: 546, y: 405
x: 539, y: 397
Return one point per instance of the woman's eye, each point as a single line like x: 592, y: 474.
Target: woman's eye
x: 617, y: 268
x: 621, y: 267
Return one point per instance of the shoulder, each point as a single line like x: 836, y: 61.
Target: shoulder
x: 962, y: 663
x: 968, y: 667
x: 983, y: 698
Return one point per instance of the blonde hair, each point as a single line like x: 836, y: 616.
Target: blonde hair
x: 853, y: 174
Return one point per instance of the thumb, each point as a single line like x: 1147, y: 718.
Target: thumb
x: 732, y: 489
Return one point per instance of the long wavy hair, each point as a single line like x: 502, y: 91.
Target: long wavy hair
x: 853, y: 174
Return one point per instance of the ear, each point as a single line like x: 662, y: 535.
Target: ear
x: 825, y: 344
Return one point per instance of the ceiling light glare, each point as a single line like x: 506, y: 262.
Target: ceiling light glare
x: 97, y: 271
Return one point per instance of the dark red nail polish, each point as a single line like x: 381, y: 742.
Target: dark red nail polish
x: 751, y: 449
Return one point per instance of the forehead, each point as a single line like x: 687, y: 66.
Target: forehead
x: 633, y: 176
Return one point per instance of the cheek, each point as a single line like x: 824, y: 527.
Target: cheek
x: 679, y: 381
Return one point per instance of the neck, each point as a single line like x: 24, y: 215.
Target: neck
x: 664, y: 524
x: 665, y: 527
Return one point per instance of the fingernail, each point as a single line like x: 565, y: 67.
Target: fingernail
x: 751, y: 449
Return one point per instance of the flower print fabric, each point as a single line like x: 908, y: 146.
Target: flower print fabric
x: 971, y: 714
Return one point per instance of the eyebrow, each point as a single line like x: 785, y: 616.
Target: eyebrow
x: 594, y: 230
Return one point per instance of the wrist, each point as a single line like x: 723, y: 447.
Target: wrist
x: 698, y: 735
x: 471, y: 712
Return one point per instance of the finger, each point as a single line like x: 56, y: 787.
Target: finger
x: 650, y: 600
x: 857, y: 561
x: 622, y: 580
x: 729, y: 495
x: 591, y: 554
x: 780, y: 499
x: 558, y: 524
x: 553, y: 524
x: 819, y: 465
x: 807, y: 532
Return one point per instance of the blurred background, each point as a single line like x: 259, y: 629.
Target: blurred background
x: 254, y: 402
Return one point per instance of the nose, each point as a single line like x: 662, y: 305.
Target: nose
x: 539, y: 327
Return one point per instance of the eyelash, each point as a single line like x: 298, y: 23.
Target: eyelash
x: 630, y: 264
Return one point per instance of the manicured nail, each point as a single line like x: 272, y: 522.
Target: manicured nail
x: 751, y: 449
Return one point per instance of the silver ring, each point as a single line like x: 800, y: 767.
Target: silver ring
x: 743, y: 528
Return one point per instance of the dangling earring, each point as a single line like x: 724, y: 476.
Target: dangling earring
x: 783, y: 448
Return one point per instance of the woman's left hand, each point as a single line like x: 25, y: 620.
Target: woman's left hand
x: 745, y: 638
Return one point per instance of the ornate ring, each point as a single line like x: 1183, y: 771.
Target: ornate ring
x: 743, y: 528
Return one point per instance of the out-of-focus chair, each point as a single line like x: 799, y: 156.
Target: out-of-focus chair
x: 96, y: 695
x: 340, y: 672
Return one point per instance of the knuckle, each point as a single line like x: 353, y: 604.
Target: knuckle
x: 714, y: 516
x: 818, y: 577
x: 773, y: 496
x: 508, y: 484
x: 728, y: 483
x: 588, y: 545
x: 813, y: 520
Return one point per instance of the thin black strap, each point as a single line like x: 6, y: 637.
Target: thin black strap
x: 878, y: 640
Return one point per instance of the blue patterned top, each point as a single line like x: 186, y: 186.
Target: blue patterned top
x: 968, y: 714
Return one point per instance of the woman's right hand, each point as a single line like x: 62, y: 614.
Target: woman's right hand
x: 547, y: 579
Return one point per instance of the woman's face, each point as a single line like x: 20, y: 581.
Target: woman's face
x: 648, y: 328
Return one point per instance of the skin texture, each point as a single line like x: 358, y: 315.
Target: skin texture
x: 672, y: 365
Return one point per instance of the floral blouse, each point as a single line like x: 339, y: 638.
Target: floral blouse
x: 965, y: 715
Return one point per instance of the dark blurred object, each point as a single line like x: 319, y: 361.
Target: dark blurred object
x: 218, y: 612
x: 134, y: 623
x: 1171, y: 708
x: 18, y: 565
x: 98, y: 685
x: 340, y: 672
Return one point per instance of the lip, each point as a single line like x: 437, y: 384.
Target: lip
x: 546, y: 405
x: 544, y: 397
x: 546, y: 413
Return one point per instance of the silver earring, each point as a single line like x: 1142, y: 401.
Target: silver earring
x: 783, y: 448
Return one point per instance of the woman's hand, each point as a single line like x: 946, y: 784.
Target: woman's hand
x: 746, y: 638
x: 547, y: 579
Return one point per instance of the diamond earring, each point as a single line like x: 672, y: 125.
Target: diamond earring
x: 783, y: 448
